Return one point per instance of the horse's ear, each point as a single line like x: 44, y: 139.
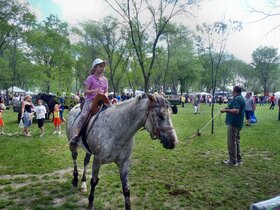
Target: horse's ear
x: 151, y: 97
x: 139, y: 97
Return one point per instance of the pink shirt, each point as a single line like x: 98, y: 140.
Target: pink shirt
x: 93, y: 83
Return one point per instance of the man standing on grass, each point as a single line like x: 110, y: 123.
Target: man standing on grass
x: 234, y: 120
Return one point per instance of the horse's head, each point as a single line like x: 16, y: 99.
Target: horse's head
x: 158, y: 121
x: 49, y: 99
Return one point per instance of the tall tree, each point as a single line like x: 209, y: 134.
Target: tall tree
x: 49, y: 45
x: 114, y: 41
x: 245, y: 75
x: 266, y: 63
x: 204, y: 81
x: 186, y: 68
x: 110, y: 42
x: 81, y: 65
x: 212, y: 40
x: 15, y: 18
x: 226, y: 73
x: 145, y: 36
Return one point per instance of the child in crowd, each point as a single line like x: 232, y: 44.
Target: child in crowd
x: 196, y: 106
x: 114, y: 100
x: 40, y: 116
x: 2, y: 108
x: 61, y: 102
x: 57, y: 120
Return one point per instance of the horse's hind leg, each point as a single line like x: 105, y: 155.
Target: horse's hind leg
x: 75, y: 172
x: 93, y: 182
x: 84, y: 178
x: 125, y: 185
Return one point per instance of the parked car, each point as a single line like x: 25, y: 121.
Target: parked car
x: 174, y: 101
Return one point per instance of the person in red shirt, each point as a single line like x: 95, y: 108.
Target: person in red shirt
x: 2, y: 107
x: 272, y: 102
x: 114, y: 100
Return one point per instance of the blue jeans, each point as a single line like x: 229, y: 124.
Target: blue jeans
x: 26, y: 120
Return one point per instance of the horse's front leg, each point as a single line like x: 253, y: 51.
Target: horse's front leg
x: 84, y: 178
x: 75, y: 172
x: 93, y: 182
x: 124, y: 169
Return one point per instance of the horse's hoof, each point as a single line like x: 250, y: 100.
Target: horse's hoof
x: 74, y: 183
x: 84, y: 187
x: 90, y: 207
x: 83, y: 190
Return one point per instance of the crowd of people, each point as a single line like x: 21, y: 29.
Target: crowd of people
x: 29, y: 111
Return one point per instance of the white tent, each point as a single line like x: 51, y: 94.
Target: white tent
x: 203, y: 94
x: 139, y: 92
x: 16, y: 89
x: 30, y: 93
x: 277, y: 94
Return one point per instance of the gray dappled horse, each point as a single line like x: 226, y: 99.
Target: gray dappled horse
x: 110, y: 137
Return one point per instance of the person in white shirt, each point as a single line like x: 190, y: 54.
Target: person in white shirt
x: 40, y: 116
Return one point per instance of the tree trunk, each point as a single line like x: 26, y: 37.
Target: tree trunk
x: 146, y: 79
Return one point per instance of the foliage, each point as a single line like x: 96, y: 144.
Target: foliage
x: 212, y: 40
x: 111, y: 39
x: 145, y: 35
x: 266, y: 63
x: 16, y: 75
x: 50, y: 46
x: 15, y: 18
x: 145, y: 51
x: 245, y: 76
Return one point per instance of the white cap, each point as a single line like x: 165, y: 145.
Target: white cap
x: 97, y: 61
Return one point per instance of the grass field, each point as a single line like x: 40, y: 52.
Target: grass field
x: 36, y: 173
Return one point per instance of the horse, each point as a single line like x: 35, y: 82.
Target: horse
x: 50, y: 100
x: 109, y: 136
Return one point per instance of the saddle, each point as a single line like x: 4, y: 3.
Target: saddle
x: 98, y: 103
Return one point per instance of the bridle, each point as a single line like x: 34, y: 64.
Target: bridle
x: 156, y: 129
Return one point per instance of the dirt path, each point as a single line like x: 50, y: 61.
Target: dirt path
x: 13, y: 183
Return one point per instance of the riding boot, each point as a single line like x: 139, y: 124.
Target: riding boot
x: 74, y: 141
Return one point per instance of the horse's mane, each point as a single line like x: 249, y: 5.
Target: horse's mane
x: 128, y: 101
x: 161, y: 101
x: 156, y: 100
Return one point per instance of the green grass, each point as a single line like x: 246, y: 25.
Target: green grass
x: 36, y: 173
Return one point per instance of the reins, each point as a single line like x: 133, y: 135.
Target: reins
x: 156, y: 129
x: 198, y: 132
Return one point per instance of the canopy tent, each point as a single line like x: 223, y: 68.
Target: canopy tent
x: 277, y: 94
x: 203, y: 94
x: 30, y: 93
x: 16, y: 89
x: 139, y: 92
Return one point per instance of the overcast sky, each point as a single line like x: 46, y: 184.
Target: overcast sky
x: 240, y: 44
